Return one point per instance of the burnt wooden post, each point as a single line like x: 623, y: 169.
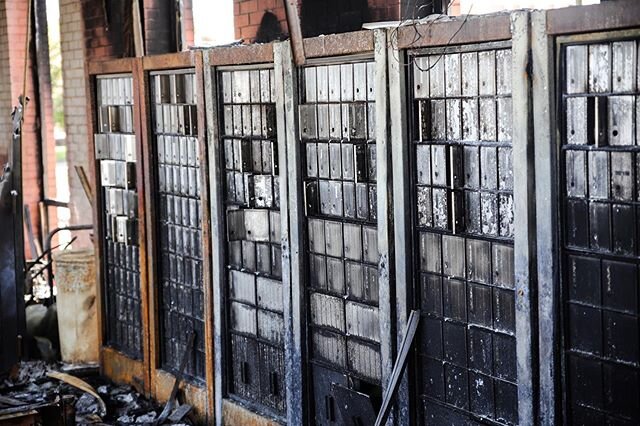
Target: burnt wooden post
x: 385, y: 214
x: 525, y: 221
x: 543, y: 88
x: 398, y: 136
x: 216, y: 195
x: 292, y: 270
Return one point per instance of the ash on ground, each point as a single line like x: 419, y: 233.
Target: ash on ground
x: 125, y: 406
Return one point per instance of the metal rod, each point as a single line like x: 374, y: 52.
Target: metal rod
x: 398, y: 368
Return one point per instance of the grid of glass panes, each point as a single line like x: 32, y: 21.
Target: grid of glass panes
x: 337, y: 131
x: 464, y: 216
x: 601, y: 203
x: 254, y: 253
x: 179, y: 228
x: 115, y: 149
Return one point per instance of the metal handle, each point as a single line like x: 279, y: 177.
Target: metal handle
x: 598, y: 120
x: 244, y: 372
x: 456, y: 211
x: 359, y: 163
x: 273, y: 383
x: 455, y: 170
x: 274, y: 158
x: 329, y: 409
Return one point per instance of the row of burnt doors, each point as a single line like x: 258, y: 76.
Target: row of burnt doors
x: 300, y: 175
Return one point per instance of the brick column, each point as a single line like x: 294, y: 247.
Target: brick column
x: 248, y: 14
x: 187, y: 23
x: 5, y: 86
x: 83, y: 38
x: 157, y: 15
x: 13, y: 31
x: 72, y: 50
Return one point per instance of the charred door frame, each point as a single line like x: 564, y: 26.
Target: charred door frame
x: 331, y: 49
x: 113, y: 363
x: 562, y: 315
x: 561, y: 199
x: 161, y: 381
x: 470, y: 30
x: 215, y: 60
x: 549, y: 30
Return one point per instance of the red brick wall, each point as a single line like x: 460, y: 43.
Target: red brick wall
x: 83, y: 38
x: 97, y: 43
x: 5, y: 85
x: 187, y: 23
x: 384, y: 10
x: 12, y: 43
x: 73, y: 52
x: 248, y: 14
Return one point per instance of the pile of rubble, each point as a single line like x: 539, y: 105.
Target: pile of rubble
x: 32, y: 388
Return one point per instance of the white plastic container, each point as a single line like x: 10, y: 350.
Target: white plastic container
x: 77, y: 314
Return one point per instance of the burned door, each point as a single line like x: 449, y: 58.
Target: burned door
x: 600, y: 194
x: 12, y: 256
x: 462, y: 196
x: 253, y: 284
x: 115, y: 151
x: 337, y: 133
x: 179, y: 225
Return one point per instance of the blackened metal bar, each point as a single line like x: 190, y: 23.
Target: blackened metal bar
x: 179, y: 374
x: 383, y: 183
x: 292, y: 246
x: 399, y: 367
x: 401, y: 208
x: 543, y: 86
x: 524, y: 212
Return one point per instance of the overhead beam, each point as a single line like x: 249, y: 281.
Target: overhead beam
x: 295, y: 31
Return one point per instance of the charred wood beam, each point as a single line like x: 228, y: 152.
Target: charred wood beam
x: 295, y: 30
